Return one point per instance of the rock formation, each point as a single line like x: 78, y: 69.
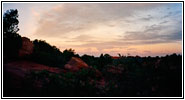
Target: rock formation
x: 27, y: 47
x: 75, y: 64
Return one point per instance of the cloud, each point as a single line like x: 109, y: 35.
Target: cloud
x: 35, y: 13
x: 164, y: 31
x: 82, y: 38
x: 147, y: 18
x: 164, y: 22
x: 70, y: 18
x: 98, y: 27
x: 146, y: 51
x: 167, y: 15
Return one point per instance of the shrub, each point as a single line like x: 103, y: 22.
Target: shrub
x: 49, y: 55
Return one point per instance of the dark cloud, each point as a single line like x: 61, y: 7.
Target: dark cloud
x: 176, y: 36
x: 155, y: 34
x: 147, y: 18
x: 167, y: 15
x: 164, y: 22
x: 172, y: 14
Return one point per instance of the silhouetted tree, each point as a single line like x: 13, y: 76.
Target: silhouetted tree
x: 12, y: 41
x: 90, y: 60
x: 10, y: 21
x: 68, y: 54
x: 108, y: 59
x: 43, y: 46
x: 46, y: 54
x: 104, y: 60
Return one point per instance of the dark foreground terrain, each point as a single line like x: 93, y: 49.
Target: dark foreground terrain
x: 123, y: 77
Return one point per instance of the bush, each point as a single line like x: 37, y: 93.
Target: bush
x: 64, y: 84
x: 49, y: 55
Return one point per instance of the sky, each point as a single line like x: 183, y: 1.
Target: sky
x: 144, y: 29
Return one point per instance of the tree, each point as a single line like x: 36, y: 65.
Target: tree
x: 46, y: 54
x: 108, y: 59
x: 43, y: 46
x: 10, y: 21
x: 68, y: 54
x: 12, y: 41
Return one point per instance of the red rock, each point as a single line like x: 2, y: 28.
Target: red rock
x: 26, y: 66
x: 75, y: 64
x: 115, y: 70
x: 15, y: 74
x: 27, y: 47
x: 115, y: 57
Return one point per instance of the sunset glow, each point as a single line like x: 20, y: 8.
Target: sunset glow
x: 144, y: 29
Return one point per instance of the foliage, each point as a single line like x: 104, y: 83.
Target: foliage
x: 64, y: 84
x: 10, y: 21
x: 141, y: 77
x: 68, y: 54
x: 98, y: 62
x: 105, y: 60
x: 12, y: 41
x: 46, y: 54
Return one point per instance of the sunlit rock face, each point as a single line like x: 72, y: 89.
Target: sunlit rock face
x: 27, y: 47
x: 75, y: 64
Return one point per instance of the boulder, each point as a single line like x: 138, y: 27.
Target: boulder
x: 27, y: 47
x: 75, y: 64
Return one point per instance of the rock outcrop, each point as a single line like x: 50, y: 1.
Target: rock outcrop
x: 27, y: 47
x: 22, y: 67
x: 75, y: 64
x: 15, y: 75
